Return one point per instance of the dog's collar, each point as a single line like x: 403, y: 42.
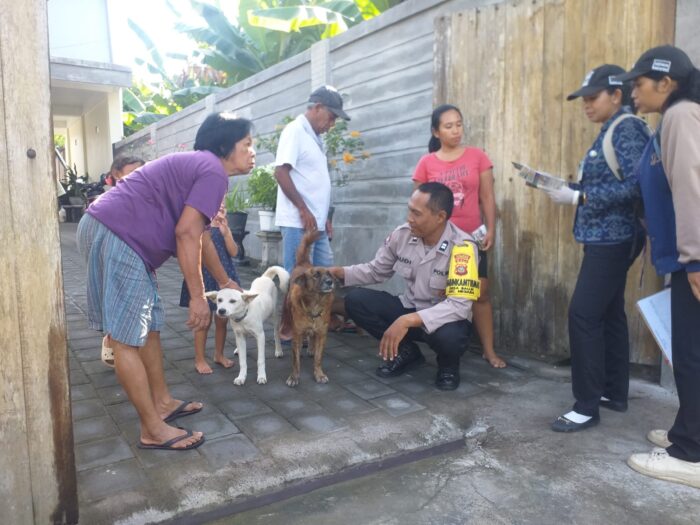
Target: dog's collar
x: 239, y: 319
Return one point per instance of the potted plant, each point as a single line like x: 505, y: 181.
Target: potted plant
x: 75, y: 194
x: 75, y: 186
x: 236, y: 204
x: 262, y: 191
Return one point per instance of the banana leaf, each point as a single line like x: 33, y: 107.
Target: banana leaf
x: 288, y: 19
x: 132, y: 102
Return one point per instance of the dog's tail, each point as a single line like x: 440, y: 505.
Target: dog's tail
x: 304, y: 250
x: 281, y: 274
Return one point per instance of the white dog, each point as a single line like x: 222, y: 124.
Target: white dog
x: 247, y: 311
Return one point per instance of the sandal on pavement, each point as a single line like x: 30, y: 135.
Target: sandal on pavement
x: 181, y: 412
x: 349, y: 328
x: 563, y: 424
x: 107, y: 353
x: 168, y: 445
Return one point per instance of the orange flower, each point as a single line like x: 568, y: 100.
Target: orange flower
x: 354, y: 134
x: 348, y: 157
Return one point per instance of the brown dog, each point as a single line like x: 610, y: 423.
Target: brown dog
x: 308, y: 303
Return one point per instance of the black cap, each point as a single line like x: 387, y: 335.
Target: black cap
x: 663, y: 59
x: 329, y: 97
x: 598, y: 79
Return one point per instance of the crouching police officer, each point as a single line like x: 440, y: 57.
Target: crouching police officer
x: 439, y: 263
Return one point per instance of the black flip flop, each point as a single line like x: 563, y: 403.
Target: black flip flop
x: 168, y: 445
x: 181, y: 412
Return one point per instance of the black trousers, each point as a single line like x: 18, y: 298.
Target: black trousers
x: 375, y: 311
x: 598, y: 335
x: 685, y: 336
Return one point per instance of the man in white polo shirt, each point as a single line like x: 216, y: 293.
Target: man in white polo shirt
x: 304, y: 192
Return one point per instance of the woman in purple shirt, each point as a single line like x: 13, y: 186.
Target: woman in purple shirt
x: 161, y: 210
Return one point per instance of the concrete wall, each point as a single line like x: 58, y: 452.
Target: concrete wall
x: 384, y: 68
x: 687, y: 22
x: 79, y: 29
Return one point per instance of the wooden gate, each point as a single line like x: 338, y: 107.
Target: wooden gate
x: 509, y: 68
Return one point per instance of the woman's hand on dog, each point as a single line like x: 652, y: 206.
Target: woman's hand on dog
x: 389, y: 345
x: 199, y: 314
x: 233, y: 285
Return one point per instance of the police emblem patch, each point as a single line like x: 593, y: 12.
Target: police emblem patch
x: 461, y: 263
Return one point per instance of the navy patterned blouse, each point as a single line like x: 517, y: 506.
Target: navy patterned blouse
x: 612, y: 205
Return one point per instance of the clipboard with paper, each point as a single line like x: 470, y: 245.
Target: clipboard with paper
x: 539, y: 179
x: 656, y: 312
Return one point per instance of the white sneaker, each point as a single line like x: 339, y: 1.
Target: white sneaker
x: 658, y: 464
x: 659, y: 438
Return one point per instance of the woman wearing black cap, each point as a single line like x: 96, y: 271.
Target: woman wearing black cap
x: 606, y: 223
x: 667, y: 82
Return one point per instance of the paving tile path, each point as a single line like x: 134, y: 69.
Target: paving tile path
x: 258, y: 436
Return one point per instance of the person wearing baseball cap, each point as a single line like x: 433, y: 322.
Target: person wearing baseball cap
x: 329, y: 98
x: 304, y: 184
x: 606, y: 196
x: 658, y: 62
x: 667, y: 82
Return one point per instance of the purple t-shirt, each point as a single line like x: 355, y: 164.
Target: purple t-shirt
x: 144, y: 208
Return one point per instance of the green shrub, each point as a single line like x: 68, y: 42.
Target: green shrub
x: 262, y: 187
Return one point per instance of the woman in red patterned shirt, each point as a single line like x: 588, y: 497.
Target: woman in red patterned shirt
x: 468, y: 172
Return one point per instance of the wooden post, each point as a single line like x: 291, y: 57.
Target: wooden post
x: 38, y: 481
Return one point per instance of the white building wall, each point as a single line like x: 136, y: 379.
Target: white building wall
x: 116, y: 127
x: 79, y: 29
x: 98, y: 144
x: 75, y: 145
